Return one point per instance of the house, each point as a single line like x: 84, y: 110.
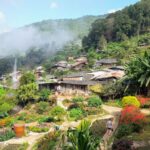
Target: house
x: 39, y: 71
x: 70, y: 58
x: 74, y: 83
x: 61, y: 65
x: 80, y: 63
x: 77, y: 83
x: 106, y: 62
x: 107, y: 75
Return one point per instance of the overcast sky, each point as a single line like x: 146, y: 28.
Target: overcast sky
x: 17, y: 13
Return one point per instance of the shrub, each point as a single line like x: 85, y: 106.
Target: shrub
x: 96, y: 88
x: 9, y: 121
x: 144, y: 101
x: 129, y: 101
x: 44, y: 94
x: 42, y: 107
x: 27, y: 93
x: 26, y: 117
x: 4, y: 108
x: 76, y: 113
x: 122, y: 144
x: 136, y: 127
x: 6, y: 135
x: 38, y: 129
x: 74, y: 105
x: 94, y: 101
x: 78, y: 99
x: 48, y: 142
x: 98, y: 128
x: 46, y: 119
x: 124, y: 130
x: 57, y: 111
x: 2, y: 91
x: 27, y: 78
x: 131, y: 114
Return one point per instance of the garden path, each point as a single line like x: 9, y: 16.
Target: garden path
x: 115, y: 112
x: 113, y: 109
x: 60, y: 102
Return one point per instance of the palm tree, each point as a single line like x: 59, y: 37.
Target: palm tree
x: 138, y: 71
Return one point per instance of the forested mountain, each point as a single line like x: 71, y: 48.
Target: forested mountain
x: 79, y: 27
x: 37, y: 42
x: 131, y: 21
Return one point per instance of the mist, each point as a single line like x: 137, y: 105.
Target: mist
x: 21, y: 40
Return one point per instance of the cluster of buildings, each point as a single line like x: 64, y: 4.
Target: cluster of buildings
x: 79, y: 82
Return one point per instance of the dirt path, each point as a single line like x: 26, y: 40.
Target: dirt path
x: 60, y: 102
x: 115, y: 113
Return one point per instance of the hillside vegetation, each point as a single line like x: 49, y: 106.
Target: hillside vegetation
x: 131, y: 21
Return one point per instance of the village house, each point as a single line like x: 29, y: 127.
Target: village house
x: 61, y: 65
x: 39, y: 71
x: 79, y: 63
x: 77, y: 83
x: 107, y: 75
x: 106, y: 63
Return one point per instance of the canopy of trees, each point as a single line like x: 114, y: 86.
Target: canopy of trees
x: 131, y: 21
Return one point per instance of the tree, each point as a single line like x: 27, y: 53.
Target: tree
x: 138, y: 71
x: 27, y: 78
x: 102, y: 44
x: 27, y: 93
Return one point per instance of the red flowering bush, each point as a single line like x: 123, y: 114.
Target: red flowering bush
x: 144, y: 101
x: 131, y: 114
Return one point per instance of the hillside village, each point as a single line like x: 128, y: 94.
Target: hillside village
x: 92, y: 93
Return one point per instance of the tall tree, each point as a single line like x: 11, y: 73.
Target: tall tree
x: 102, y: 44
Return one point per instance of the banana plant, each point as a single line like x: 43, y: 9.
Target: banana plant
x: 138, y: 70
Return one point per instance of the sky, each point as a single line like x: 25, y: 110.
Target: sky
x: 18, y: 13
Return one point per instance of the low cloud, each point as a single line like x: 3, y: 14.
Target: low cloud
x: 21, y: 40
x: 54, y: 5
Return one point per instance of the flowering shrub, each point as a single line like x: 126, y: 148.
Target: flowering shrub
x: 131, y: 114
x: 144, y: 101
x: 129, y: 101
